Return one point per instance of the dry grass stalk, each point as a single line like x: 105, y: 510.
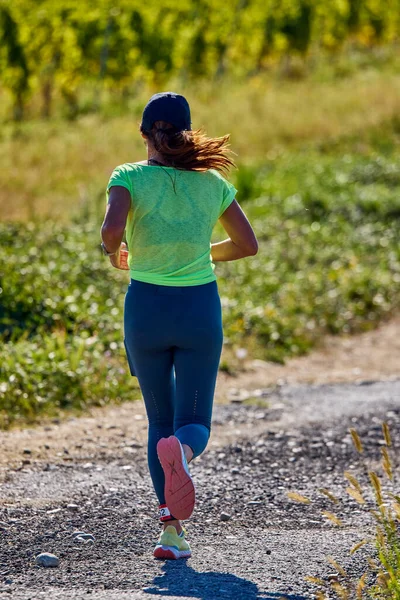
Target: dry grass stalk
x: 376, y: 484
x: 321, y: 596
x: 358, y: 546
x: 386, y: 434
x: 377, y: 515
x: 340, y: 590
x: 386, y: 463
x: 395, y: 497
x: 332, y: 517
x: 372, y: 564
x: 336, y: 565
x: 315, y: 580
x: 360, y: 586
x: 298, y: 498
x: 382, y: 580
x: 354, y: 482
x: 380, y: 536
x: 329, y: 495
x: 396, y: 508
x: 355, y: 494
x: 356, y: 440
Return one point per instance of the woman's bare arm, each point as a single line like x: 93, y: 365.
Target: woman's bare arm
x: 112, y: 230
x: 242, y: 240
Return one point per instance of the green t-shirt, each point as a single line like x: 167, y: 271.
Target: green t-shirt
x: 169, y: 225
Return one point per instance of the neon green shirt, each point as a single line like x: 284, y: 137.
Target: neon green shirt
x: 169, y: 225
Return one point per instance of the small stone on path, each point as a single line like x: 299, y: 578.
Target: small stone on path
x: 47, y: 560
x: 225, y: 517
x: 82, y: 540
x: 83, y: 537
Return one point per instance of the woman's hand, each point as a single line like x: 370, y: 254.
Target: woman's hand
x: 120, y: 259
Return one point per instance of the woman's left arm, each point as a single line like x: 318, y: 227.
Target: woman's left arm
x: 112, y: 230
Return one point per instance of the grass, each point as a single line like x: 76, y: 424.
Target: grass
x: 55, y: 169
x: 329, y: 262
x: 325, y: 207
x: 381, y: 577
x: 50, y: 374
x: 329, y: 258
x: 60, y: 317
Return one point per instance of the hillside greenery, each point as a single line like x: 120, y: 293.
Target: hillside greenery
x: 58, y: 169
x: 308, y: 90
x: 54, y: 49
x: 327, y: 219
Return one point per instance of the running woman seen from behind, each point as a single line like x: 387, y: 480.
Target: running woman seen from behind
x: 167, y: 206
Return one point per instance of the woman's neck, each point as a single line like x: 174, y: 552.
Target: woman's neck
x: 153, y: 155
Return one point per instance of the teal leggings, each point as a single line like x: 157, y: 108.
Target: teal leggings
x: 173, y: 342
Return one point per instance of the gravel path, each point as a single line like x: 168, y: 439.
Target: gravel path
x: 90, y: 475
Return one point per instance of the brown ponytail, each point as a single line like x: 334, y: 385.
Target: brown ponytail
x: 190, y: 150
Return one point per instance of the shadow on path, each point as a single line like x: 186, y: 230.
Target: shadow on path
x: 179, y: 579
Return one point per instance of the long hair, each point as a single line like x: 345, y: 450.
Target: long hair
x: 190, y: 150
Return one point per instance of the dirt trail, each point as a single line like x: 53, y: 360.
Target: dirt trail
x: 371, y: 356
x: 90, y: 474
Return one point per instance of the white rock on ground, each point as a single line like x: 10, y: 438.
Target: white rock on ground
x: 47, y: 560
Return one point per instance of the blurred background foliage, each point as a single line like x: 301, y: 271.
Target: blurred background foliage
x: 53, y: 48
x: 310, y: 92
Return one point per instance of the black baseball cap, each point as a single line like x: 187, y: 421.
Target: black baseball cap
x: 169, y: 107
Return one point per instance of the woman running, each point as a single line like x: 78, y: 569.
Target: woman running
x: 168, y: 206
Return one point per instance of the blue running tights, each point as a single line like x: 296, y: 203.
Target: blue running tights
x: 173, y: 340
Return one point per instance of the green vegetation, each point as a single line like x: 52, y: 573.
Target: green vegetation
x: 329, y: 258
x: 60, y: 316
x: 310, y: 94
x: 52, y: 373
x: 329, y: 261
x: 54, y: 49
x: 57, y: 169
x: 381, y: 571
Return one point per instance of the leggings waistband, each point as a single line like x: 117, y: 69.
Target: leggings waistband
x: 172, y: 290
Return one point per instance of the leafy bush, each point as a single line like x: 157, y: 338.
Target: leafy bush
x: 329, y: 258
x: 55, y: 277
x: 61, y: 319
x: 52, y: 373
x: 329, y: 261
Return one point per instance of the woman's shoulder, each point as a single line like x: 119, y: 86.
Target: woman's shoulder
x: 129, y: 167
x: 129, y: 171
x: 132, y: 166
x: 211, y: 174
x: 216, y: 176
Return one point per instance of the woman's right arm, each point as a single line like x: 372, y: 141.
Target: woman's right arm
x: 242, y: 240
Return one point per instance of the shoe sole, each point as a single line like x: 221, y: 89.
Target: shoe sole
x: 170, y: 553
x: 179, y: 488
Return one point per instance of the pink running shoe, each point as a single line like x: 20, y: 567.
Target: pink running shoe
x: 179, y: 488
